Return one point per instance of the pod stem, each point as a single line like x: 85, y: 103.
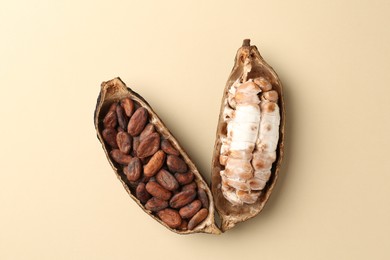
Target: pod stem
x: 246, y: 43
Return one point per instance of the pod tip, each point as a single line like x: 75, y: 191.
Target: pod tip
x: 246, y: 42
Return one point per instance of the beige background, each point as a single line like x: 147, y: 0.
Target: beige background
x: 59, y: 197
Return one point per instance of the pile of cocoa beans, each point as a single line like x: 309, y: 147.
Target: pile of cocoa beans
x: 152, y: 167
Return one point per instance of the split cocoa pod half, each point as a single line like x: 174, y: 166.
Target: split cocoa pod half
x: 150, y: 163
x: 160, y: 177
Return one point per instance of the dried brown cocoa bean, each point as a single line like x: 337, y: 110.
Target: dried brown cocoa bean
x: 158, y: 191
x: 190, y: 186
x: 137, y: 121
x: 119, y: 157
x: 149, y: 128
x: 113, y: 107
x: 149, y: 145
x: 110, y: 120
x: 122, y: 118
x: 124, y: 142
x: 128, y: 106
x: 120, y: 129
x: 154, y: 164
x: 155, y: 204
x: 170, y: 217
x: 166, y: 179
x: 198, y: 218
x: 184, y: 178
x: 135, y: 145
x: 183, y: 225
x: 141, y: 193
x: 202, y: 196
x: 190, y: 209
x: 109, y: 135
x: 182, y: 198
x: 176, y: 164
x: 167, y: 147
x: 133, y: 170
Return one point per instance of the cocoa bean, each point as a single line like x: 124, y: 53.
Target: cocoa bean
x: 135, y: 145
x: 166, y: 179
x: 191, y: 209
x: 182, y: 198
x: 141, y: 193
x: 119, y: 157
x: 155, y: 204
x: 176, y: 164
x: 184, y: 178
x: 109, y: 135
x: 167, y: 147
x: 198, y: 218
x: 149, y: 128
x: 154, y: 164
x: 202, y: 196
x: 113, y: 107
x: 110, y: 120
x: 133, y: 169
x: 137, y: 121
x: 149, y: 145
x: 158, y: 191
x: 122, y: 118
x: 190, y: 186
x: 183, y: 225
x: 124, y: 142
x: 170, y: 217
x: 128, y: 106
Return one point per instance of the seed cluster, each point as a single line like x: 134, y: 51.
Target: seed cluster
x: 153, y: 168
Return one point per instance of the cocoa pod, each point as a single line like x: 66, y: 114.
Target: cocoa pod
x: 149, y: 128
x: 166, y: 179
x: 154, y: 164
x: 109, y: 135
x: 156, y: 190
x: 137, y: 121
x: 149, y: 145
x: 167, y: 147
x: 128, y: 106
x: 170, y: 217
x: 191, y: 209
x: 184, y: 178
x: 199, y: 217
x: 250, y: 69
x: 119, y: 157
x: 141, y: 193
x: 110, y: 120
x: 203, y: 197
x: 155, y: 204
x: 114, y: 93
x: 121, y: 116
x: 182, y: 198
x: 175, y: 164
x: 133, y: 170
x: 124, y: 142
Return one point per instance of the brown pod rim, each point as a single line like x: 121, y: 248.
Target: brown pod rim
x: 115, y: 90
x: 231, y: 215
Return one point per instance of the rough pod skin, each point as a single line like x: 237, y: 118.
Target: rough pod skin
x: 249, y: 65
x: 114, y: 91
